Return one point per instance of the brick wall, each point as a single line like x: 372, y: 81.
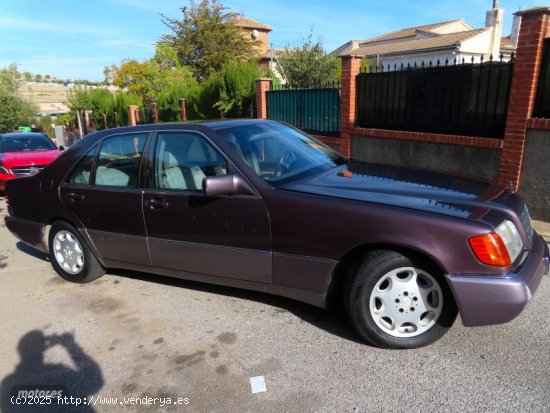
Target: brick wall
x: 534, y: 29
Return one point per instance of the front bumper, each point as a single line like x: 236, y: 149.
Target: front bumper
x: 30, y: 232
x: 484, y: 300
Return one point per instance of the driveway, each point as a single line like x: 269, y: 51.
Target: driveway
x: 130, y: 336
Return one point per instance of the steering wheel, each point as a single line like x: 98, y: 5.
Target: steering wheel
x: 285, y: 161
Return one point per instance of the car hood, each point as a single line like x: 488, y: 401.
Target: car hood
x: 409, y: 188
x: 14, y: 159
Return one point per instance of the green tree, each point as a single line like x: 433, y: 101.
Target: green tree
x: 309, y: 65
x: 14, y: 111
x: 206, y: 38
x: 150, y: 78
x: 38, y: 77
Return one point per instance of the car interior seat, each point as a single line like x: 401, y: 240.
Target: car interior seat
x: 111, y: 177
x: 248, y: 155
x: 171, y: 175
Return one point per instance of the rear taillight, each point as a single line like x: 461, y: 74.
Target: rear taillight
x: 490, y: 250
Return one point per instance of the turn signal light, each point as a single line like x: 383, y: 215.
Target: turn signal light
x: 490, y: 250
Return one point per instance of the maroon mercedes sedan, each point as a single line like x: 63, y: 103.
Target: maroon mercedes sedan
x: 262, y: 206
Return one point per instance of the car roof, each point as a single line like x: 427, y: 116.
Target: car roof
x: 24, y: 135
x: 193, y: 125
x: 233, y: 123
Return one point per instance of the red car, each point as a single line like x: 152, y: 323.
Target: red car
x: 23, y: 154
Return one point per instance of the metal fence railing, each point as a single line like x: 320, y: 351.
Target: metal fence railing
x: 542, y: 102
x: 314, y: 110
x: 460, y: 98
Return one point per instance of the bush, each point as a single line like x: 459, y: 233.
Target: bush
x: 237, y: 89
x: 169, y: 101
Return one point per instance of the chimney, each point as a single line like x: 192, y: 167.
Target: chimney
x: 516, y: 24
x: 494, y: 20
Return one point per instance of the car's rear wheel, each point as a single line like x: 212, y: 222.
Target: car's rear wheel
x: 70, y: 256
x: 397, y: 301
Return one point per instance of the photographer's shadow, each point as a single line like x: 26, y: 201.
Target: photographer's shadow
x: 32, y: 373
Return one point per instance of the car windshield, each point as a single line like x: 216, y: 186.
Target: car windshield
x: 279, y: 153
x: 25, y: 143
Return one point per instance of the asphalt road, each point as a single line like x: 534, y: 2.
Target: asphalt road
x: 130, y: 335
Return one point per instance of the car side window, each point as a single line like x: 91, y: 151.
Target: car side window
x: 119, y: 160
x: 83, y: 171
x: 184, y: 159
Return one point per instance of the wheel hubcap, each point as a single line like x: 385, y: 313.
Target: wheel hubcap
x: 406, y: 302
x: 68, y: 252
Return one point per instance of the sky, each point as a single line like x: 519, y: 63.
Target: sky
x: 76, y: 39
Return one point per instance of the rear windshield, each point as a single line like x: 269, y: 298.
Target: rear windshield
x: 25, y: 143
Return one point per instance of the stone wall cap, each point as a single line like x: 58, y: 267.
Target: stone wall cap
x: 263, y: 78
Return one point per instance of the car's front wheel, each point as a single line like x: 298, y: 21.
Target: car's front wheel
x: 397, y: 301
x: 70, y: 256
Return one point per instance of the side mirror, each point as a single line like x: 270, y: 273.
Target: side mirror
x: 226, y: 185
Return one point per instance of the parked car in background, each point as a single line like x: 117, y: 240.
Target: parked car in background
x: 263, y: 206
x: 24, y: 154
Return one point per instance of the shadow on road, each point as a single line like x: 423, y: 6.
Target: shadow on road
x: 33, y: 252
x: 333, y: 320
x: 32, y: 374
x: 3, y: 262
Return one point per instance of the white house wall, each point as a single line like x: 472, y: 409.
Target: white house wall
x: 480, y: 44
x: 411, y: 59
x: 455, y: 27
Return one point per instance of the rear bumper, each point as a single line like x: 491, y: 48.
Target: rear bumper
x: 484, y: 300
x: 29, y: 232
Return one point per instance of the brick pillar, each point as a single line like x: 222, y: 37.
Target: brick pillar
x: 350, y: 69
x: 87, y: 117
x: 155, y: 112
x: 183, y: 108
x: 263, y: 84
x: 534, y: 28
x: 133, y: 112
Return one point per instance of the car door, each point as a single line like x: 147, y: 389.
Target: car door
x: 226, y: 236
x: 103, y: 192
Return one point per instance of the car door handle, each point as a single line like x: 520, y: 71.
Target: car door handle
x: 156, y: 203
x: 75, y: 197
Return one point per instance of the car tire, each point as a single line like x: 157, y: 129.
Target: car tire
x: 70, y: 255
x: 398, y: 301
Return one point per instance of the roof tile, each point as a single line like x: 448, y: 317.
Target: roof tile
x: 365, y: 48
x: 247, y: 23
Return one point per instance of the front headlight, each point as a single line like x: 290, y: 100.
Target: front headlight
x: 4, y: 170
x: 511, y: 238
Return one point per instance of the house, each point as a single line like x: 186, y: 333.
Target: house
x: 267, y: 56
x: 255, y: 31
x: 443, y: 41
